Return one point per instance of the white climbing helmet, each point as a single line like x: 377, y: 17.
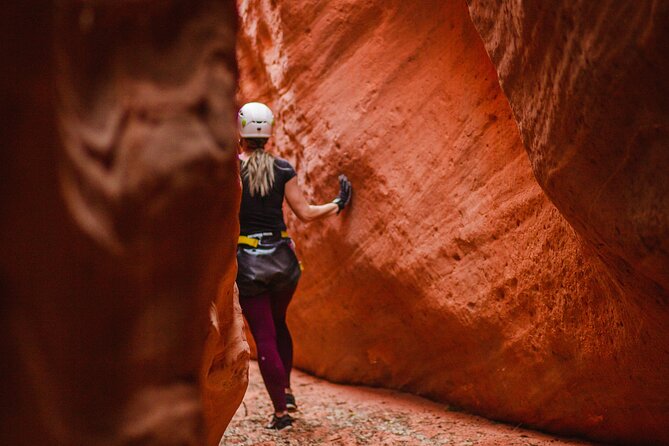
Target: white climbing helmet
x: 255, y: 120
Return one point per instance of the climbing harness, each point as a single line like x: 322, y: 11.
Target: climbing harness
x: 266, y: 262
x: 253, y: 240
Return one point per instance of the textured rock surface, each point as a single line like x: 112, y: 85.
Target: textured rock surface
x: 453, y: 275
x: 587, y: 82
x: 226, y: 359
x: 119, y: 197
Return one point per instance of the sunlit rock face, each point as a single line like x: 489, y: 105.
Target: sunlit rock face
x: 120, y: 194
x: 453, y: 275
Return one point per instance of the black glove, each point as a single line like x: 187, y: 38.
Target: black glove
x: 345, y: 192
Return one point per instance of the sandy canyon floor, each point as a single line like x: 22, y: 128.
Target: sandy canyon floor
x: 332, y: 414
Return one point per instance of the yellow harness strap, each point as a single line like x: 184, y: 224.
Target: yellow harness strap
x: 244, y: 240
x: 253, y: 242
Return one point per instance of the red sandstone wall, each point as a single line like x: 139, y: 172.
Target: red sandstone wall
x: 119, y: 196
x: 587, y: 82
x: 452, y: 275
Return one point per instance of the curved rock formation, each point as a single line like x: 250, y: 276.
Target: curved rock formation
x: 224, y: 372
x: 587, y: 83
x: 452, y: 275
x: 120, y: 192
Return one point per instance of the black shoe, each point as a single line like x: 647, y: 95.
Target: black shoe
x: 279, y: 423
x: 291, y: 405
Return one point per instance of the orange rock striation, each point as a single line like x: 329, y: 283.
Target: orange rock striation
x: 587, y: 83
x: 120, y: 192
x: 453, y: 275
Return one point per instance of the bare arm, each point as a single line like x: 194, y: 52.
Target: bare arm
x: 305, y: 211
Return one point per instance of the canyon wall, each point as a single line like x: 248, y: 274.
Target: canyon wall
x: 587, y: 83
x: 453, y: 274
x: 119, y: 200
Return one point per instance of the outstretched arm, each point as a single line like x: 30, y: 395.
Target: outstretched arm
x: 305, y: 211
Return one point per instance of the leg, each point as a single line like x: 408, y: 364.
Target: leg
x: 280, y: 301
x: 258, y: 313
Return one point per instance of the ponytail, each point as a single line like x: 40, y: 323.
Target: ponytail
x: 258, y: 170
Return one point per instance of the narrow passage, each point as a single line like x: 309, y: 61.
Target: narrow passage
x: 333, y: 414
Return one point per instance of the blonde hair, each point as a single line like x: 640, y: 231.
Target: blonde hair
x: 259, y: 168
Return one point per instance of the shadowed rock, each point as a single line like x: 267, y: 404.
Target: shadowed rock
x: 120, y: 194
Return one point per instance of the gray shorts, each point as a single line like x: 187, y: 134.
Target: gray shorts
x: 266, y: 268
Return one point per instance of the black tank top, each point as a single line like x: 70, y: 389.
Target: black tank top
x: 265, y: 214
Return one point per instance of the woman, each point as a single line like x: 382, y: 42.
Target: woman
x: 268, y: 268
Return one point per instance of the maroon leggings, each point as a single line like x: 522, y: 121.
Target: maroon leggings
x: 266, y: 315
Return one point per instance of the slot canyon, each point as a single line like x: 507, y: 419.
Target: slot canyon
x: 506, y: 251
